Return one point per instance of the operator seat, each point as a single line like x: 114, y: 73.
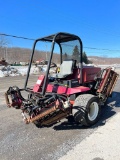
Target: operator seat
x: 66, y: 68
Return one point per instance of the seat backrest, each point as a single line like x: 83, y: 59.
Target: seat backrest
x: 66, y: 67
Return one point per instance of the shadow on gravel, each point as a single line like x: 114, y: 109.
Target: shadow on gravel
x: 68, y: 126
x: 114, y: 100
x: 107, y: 112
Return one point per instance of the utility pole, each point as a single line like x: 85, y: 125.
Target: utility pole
x: 6, y: 56
x: 46, y: 53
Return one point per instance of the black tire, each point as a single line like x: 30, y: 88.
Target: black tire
x: 86, y: 109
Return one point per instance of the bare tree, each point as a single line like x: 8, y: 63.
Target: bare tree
x: 3, y: 46
x: 3, y: 41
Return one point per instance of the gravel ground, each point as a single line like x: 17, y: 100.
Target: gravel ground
x: 103, y: 144
x: 20, y: 141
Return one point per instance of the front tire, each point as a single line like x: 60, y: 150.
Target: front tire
x: 86, y: 109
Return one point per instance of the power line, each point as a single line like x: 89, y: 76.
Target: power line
x: 92, y: 48
x: 69, y: 18
x: 8, y: 35
x: 104, y: 49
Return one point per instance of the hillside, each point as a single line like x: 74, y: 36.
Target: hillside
x: 104, y: 61
x: 12, y: 55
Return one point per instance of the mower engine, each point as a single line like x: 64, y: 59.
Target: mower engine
x: 40, y: 110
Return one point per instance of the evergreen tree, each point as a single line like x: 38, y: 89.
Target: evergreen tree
x: 65, y: 56
x: 76, y: 54
x: 85, y: 58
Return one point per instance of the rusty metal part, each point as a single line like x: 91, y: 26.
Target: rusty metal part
x: 104, y: 80
x: 25, y: 119
x: 112, y: 83
x: 72, y: 102
x: 58, y: 117
x: 43, y: 114
x: 7, y: 101
x: 108, y: 82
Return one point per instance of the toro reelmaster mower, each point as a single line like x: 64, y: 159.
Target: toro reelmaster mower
x: 75, y: 90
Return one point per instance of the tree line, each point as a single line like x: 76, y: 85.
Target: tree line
x: 17, y: 54
x: 76, y: 55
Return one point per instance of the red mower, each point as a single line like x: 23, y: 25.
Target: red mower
x: 76, y: 90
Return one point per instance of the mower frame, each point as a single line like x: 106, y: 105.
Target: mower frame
x: 55, y: 38
x: 79, y: 93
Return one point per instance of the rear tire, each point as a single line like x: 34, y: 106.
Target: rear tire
x: 86, y: 109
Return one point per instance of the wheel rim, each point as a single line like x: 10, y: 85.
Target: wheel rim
x: 93, y: 111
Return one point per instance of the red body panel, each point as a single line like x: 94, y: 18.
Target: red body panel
x: 65, y: 90
x: 39, y: 83
x: 76, y: 74
x: 88, y: 76
x: 89, y: 73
